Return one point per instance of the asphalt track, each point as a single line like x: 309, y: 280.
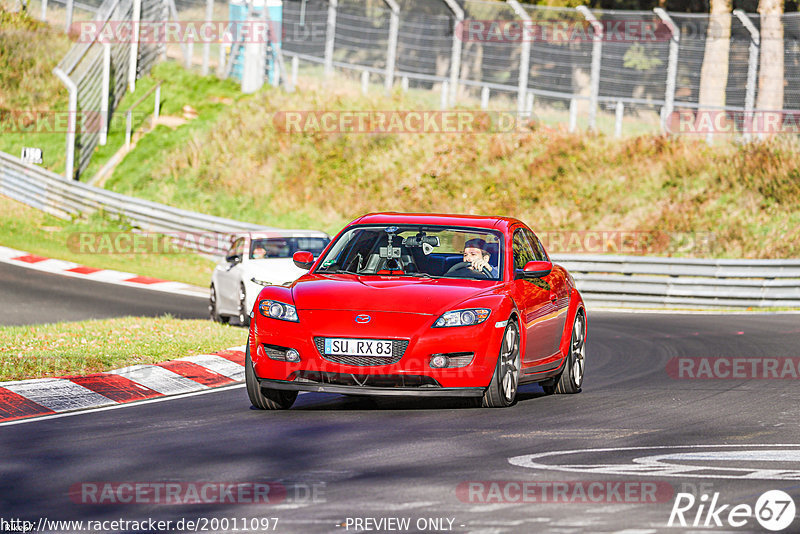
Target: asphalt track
x: 407, y: 459
x: 34, y: 297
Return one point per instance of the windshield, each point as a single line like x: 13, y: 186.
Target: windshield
x: 284, y: 247
x: 423, y: 251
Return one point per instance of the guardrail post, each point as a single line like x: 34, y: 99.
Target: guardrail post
x: 619, y: 113
x: 529, y: 105
x: 672, y: 66
x: 70, y: 8
x: 484, y: 97
x: 597, y: 54
x: 752, y: 70
x: 44, y: 10
x: 364, y: 82
x: 445, y: 91
x: 105, y: 93
x: 330, y: 36
x: 404, y: 84
x: 128, y: 128
x: 72, y: 122
x: 391, y: 48
x: 137, y: 15
x: 207, y: 42
x: 524, y: 57
x: 455, y: 53
x: 573, y: 114
x: 295, y: 70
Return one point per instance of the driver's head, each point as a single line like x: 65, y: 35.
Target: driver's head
x: 475, y: 249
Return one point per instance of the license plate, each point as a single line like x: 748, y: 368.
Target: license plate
x: 358, y: 347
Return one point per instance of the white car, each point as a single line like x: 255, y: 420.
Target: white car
x: 255, y: 260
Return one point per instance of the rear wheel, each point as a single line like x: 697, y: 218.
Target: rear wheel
x: 502, y: 391
x: 265, y: 399
x: 571, y: 378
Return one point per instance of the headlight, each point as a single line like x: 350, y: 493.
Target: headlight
x: 278, y: 310
x: 462, y: 317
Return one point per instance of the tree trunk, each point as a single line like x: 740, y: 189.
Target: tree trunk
x: 770, y: 77
x: 714, y: 74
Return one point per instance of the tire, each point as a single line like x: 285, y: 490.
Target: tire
x: 502, y: 391
x: 213, y: 311
x: 244, y: 313
x: 265, y: 399
x: 571, y: 378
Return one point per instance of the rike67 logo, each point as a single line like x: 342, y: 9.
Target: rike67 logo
x: 774, y: 510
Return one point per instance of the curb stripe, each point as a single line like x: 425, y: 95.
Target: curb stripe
x: 82, y: 269
x: 58, y: 394
x: 144, y: 280
x: 29, y: 258
x: 194, y: 372
x: 158, y: 379
x: 234, y: 355
x: 115, y: 387
x: 225, y: 367
x: 15, y: 406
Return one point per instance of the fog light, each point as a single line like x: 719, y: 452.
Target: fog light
x: 292, y: 356
x: 439, y: 361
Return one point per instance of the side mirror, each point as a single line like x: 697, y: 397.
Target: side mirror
x: 233, y: 258
x: 537, y: 269
x: 303, y: 259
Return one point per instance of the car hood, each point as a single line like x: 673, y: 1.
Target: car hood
x: 384, y: 293
x: 272, y: 270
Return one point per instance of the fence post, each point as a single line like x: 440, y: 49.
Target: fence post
x: 137, y: 15
x: 404, y: 84
x: 529, y: 105
x: 597, y: 54
x: 484, y: 97
x: 524, y: 57
x: 68, y: 22
x: 44, y: 10
x: 455, y: 54
x: 391, y: 51
x: 330, y: 36
x: 364, y: 82
x: 573, y: 114
x: 618, y: 115
x: 295, y: 70
x: 752, y: 70
x: 207, y: 43
x: 72, y: 122
x: 104, y: 95
x: 156, y: 107
x: 672, y: 66
x: 445, y: 91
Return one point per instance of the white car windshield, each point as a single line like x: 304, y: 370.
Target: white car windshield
x: 413, y: 250
x: 284, y: 247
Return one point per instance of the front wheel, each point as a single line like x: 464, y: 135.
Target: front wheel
x: 571, y: 378
x: 502, y: 391
x: 265, y: 399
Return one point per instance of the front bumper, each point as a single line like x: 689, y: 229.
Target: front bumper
x: 411, y: 374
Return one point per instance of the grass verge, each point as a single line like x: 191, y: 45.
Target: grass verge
x: 101, y: 345
x: 28, y: 229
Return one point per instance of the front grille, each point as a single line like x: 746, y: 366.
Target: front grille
x: 399, y: 347
x: 380, y: 381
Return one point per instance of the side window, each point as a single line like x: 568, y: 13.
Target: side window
x: 523, y: 252
x: 538, y: 249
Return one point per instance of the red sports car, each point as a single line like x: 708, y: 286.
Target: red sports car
x: 413, y: 304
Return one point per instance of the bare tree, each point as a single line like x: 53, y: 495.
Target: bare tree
x: 714, y: 74
x: 771, y: 75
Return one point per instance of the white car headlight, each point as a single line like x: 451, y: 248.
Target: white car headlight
x: 462, y: 317
x: 278, y: 310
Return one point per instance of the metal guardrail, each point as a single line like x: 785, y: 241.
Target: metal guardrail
x: 637, y: 281
x: 51, y: 193
x: 628, y: 281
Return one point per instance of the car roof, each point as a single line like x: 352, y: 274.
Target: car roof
x: 474, y: 221
x: 279, y: 233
